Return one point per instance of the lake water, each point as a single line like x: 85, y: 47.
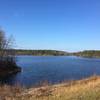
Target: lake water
x: 54, y: 69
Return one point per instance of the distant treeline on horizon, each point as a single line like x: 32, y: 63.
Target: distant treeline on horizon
x: 40, y: 52
x: 88, y: 53
x: 85, y: 53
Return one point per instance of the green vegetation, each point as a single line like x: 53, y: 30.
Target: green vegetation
x: 88, y: 53
x: 87, y: 89
x: 40, y: 52
x: 7, y: 58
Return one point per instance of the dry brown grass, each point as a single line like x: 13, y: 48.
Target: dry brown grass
x: 9, y: 92
x: 87, y: 89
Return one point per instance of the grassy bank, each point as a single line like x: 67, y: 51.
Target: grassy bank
x: 87, y: 89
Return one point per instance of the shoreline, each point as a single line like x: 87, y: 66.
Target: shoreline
x: 86, y: 89
x: 9, y: 71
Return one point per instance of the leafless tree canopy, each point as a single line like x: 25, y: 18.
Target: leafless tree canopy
x: 6, y: 51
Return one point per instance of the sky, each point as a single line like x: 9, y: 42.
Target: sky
x: 69, y: 25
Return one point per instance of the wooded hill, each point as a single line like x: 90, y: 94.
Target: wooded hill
x: 88, y: 53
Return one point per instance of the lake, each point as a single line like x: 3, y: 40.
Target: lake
x: 54, y: 69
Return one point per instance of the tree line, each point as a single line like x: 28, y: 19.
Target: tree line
x: 40, y: 52
x: 88, y: 53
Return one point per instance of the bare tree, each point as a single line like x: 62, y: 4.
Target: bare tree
x: 7, y: 54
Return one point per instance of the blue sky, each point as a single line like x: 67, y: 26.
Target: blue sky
x: 70, y: 25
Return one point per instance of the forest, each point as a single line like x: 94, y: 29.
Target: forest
x: 40, y: 52
x: 88, y: 53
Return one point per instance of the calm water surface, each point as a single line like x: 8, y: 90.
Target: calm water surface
x: 54, y: 69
